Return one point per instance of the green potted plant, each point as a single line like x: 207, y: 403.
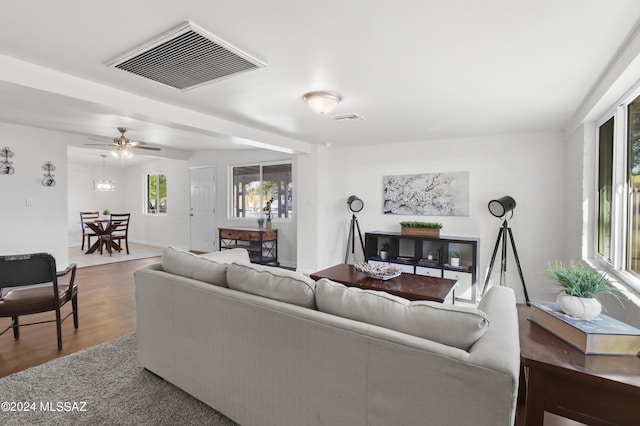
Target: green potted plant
x: 106, y: 212
x: 579, y: 285
x: 384, y: 251
x: 430, y: 255
x: 428, y: 229
x: 455, y: 258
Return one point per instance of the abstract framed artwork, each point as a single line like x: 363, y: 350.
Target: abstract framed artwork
x: 427, y: 194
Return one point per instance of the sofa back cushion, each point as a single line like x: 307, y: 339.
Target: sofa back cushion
x: 447, y: 324
x: 210, y: 268
x: 274, y: 283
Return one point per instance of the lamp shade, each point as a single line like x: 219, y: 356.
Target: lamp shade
x: 502, y: 206
x: 321, y: 102
x: 355, y: 204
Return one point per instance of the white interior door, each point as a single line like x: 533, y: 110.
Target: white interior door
x: 203, y: 211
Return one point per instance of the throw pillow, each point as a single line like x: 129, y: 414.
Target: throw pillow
x: 186, y: 264
x: 274, y: 283
x: 447, y: 324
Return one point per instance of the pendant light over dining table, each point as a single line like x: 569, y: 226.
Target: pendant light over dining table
x: 104, y: 184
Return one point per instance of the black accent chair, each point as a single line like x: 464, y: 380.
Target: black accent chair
x: 29, y: 285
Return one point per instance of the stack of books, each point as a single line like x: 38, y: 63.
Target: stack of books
x: 603, y: 335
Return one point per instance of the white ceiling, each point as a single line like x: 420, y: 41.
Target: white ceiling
x: 416, y: 70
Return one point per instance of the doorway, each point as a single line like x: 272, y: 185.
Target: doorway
x: 203, y: 211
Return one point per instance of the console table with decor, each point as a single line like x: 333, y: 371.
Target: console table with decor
x: 429, y: 255
x: 560, y: 379
x: 261, y: 243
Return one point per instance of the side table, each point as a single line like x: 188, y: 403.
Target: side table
x: 560, y: 379
x: 261, y: 243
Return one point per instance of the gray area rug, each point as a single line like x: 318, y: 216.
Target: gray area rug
x: 102, y: 385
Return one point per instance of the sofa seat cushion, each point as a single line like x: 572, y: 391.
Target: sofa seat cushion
x: 210, y: 268
x: 274, y: 283
x: 451, y: 325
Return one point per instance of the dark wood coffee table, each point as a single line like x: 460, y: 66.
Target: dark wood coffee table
x: 559, y: 379
x: 409, y: 286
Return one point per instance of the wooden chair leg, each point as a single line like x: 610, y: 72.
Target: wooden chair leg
x: 16, y: 327
x: 82, y: 248
x: 127, y: 244
x: 59, y: 328
x: 74, y: 305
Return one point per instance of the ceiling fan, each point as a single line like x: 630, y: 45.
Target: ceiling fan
x: 122, y: 146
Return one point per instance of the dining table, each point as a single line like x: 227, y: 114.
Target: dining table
x: 102, y: 226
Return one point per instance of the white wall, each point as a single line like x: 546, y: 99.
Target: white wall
x: 171, y: 228
x: 42, y: 227
x: 529, y: 167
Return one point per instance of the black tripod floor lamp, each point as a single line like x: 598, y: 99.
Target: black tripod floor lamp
x: 499, y: 208
x: 355, y: 205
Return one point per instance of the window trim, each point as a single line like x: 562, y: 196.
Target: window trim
x: 261, y: 164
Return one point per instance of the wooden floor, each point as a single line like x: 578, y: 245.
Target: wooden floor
x: 106, y: 309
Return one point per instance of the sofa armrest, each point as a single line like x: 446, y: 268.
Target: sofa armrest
x: 499, y: 348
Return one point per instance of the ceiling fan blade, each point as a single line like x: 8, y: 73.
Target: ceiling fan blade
x: 101, y: 139
x: 152, y: 148
x: 99, y: 144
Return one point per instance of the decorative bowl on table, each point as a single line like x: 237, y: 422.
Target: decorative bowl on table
x: 380, y: 272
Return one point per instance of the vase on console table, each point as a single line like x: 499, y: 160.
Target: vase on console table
x: 268, y: 223
x: 260, y: 222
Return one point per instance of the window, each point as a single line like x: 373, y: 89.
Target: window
x: 156, y: 194
x: 254, y: 185
x: 618, y: 185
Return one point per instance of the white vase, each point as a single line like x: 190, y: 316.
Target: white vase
x: 383, y: 255
x: 582, y: 308
x: 455, y: 261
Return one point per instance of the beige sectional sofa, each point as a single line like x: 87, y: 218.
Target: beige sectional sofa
x: 267, y: 346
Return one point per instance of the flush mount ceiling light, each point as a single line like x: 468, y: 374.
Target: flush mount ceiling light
x: 322, y: 102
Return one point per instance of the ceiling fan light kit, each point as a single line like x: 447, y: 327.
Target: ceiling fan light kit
x: 123, y: 146
x: 322, y: 102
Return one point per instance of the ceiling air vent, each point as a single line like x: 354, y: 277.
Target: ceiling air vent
x: 348, y: 117
x: 185, y: 58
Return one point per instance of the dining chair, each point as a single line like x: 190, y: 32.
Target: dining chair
x: 86, y: 232
x: 29, y: 285
x: 119, y: 226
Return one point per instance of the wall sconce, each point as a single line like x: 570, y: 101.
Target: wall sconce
x: 48, y: 180
x: 6, y: 167
x: 322, y: 102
